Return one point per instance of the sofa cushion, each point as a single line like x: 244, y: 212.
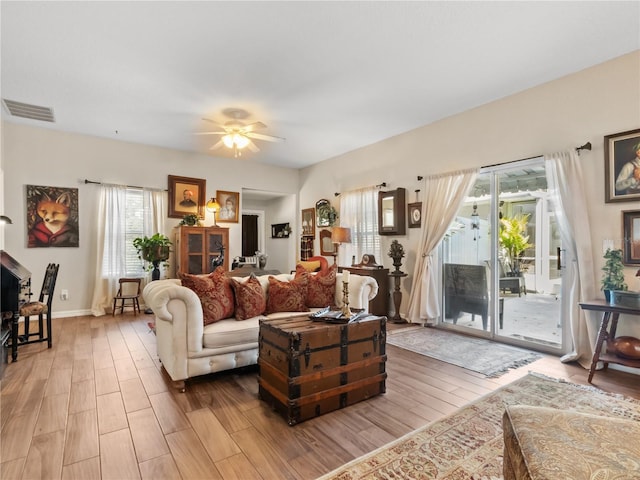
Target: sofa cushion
x: 321, y: 288
x: 214, y: 291
x: 287, y: 296
x: 309, y: 266
x: 226, y: 335
x: 250, y: 298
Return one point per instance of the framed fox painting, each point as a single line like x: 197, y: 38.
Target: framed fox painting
x: 52, y: 217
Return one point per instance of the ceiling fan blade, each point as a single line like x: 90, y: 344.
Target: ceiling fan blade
x: 268, y: 138
x: 217, y: 145
x: 210, y: 133
x: 253, y: 147
x: 217, y: 124
x: 253, y: 126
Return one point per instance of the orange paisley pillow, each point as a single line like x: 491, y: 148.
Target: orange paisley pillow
x: 250, y: 298
x: 321, y: 290
x: 287, y: 296
x: 214, y: 292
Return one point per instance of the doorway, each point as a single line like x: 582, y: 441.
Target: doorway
x: 499, y: 260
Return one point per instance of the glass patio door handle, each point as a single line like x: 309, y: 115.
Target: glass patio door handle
x: 559, y: 258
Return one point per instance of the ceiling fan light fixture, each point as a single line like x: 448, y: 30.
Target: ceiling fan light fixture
x: 240, y: 140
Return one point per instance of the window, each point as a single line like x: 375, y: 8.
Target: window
x: 359, y: 212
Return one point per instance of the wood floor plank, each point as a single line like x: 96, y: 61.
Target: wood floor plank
x: 82, y: 370
x: 134, y: 395
x: 238, y: 467
x: 12, y: 469
x: 169, y: 415
x: 88, y: 469
x: 153, y: 380
x: 125, y: 368
x: 117, y: 456
x: 83, y: 396
x: 81, y: 442
x: 217, y: 442
x: 106, y: 381
x: 190, y: 456
x: 44, y: 459
x: 53, y: 414
x: 147, y: 436
x: 111, y: 414
x: 59, y: 381
x: 159, y: 468
x: 19, y: 428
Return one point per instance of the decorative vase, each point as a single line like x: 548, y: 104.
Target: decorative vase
x: 397, y: 262
x: 262, y: 262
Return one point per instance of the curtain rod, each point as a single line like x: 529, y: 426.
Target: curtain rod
x: 126, y: 186
x: 586, y: 146
x: 380, y: 185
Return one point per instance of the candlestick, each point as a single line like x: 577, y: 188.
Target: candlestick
x: 345, y: 300
x: 345, y: 276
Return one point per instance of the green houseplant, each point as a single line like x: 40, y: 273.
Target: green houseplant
x: 513, y: 240
x: 612, y: 273
x: 154, y: 249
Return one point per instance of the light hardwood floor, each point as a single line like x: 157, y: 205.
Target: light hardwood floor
x: 97, y: 405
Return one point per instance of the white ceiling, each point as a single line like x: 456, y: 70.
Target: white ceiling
x: 330, y: 77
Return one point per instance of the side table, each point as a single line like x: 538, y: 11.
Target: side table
x: 397, y: 296
x: 609, y: 313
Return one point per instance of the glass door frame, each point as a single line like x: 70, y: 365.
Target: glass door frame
x: 493, y: 332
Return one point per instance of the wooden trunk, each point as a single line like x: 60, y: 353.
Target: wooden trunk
x: 308, y: 368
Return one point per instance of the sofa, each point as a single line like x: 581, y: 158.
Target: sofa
x: 188, y: 348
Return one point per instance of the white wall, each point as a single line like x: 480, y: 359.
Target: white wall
x: 556, y: 116
x: 282, y: 251
x: 38, y: 156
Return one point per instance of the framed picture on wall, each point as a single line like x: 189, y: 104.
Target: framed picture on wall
x: 52, y: 217
x: 631, y: 237
x: 622, y: 166
x: 309, y: 222
x: 229, y: 202
x: 186, y: 195
x: 414, y: 211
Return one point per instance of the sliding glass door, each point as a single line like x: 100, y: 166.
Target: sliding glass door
x: 499, y: 260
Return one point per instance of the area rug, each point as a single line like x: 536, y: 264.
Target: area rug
x: 468, y: 443
x: 477, y: 354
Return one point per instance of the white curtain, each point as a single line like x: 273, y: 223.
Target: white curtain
x: 566, y: 189
x: 444, y: 196
x: 359, y: 212
x: 110, y: 238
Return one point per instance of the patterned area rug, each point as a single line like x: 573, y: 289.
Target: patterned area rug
x: 468, y: 444
x: 477, y: 354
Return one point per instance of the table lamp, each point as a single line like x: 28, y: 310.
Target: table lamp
x: 339, y: 235
x: 213, y: 206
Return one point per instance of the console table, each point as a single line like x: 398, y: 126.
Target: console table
x: 609, y: 313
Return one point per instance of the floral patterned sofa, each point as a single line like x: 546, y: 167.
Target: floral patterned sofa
x: 212, y: 324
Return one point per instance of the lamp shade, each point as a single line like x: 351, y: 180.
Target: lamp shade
x: 341, y: 235
x: 213, y: 205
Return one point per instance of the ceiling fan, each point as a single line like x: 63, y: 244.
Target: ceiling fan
x: 237, y: 135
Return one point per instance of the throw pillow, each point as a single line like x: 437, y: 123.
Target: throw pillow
x: 287, y: 296
x: 250, y: 298
x: 214, y: 292
x: 313, y: 266
x: 321, y: 290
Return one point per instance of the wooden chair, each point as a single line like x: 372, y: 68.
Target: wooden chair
x: 41, y: 308
x: 129, y: 291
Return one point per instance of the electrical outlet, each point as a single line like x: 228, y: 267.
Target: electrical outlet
x: 64, y: 295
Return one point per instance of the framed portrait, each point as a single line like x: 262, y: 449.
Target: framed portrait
x: 309, y: 222
x: 622, y: 166
x: 414, y: 211
x: 52, y: 217
x: 186, y: 195
x: 229, y: 206
x: 631, y: 237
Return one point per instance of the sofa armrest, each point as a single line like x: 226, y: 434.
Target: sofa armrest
x: 362, y: 289
x: 178, y: 312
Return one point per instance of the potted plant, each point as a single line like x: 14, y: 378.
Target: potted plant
x: 396, y: 252
x: 154, y: 249
x: 514, y: 241
x: 612, y: 276
x: 190, y: 220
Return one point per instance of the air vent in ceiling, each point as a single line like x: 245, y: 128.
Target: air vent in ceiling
x: 25, y: 110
